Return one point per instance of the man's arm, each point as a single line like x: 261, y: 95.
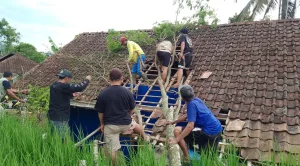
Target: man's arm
x: 77, y: 87
x: 100, y: 115
x: 131, y: 112
x: 182, y: 45
x: 181, y: 119
x: 130, y: 50
x: 186, y: 131
x: 13, y: 95
x: 10, y: 91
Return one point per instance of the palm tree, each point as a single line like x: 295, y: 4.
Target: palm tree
x: 287, y: 8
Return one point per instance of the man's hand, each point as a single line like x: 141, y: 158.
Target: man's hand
x: 75, y: 94
x: 26, y: 91
x: 181, y: 56
x: 102, y: 128
x: 173, y: 141
x: 89, y: 77
x: 169, y: 123
x: 22, y: 101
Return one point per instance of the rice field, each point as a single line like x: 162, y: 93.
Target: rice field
x: 28, y: 143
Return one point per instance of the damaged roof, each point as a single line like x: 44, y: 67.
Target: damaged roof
x: 86, y: 55
x: 255, y: 76
x: 16, y: 63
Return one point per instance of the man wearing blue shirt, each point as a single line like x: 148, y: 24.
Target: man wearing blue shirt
x: 198, y: 115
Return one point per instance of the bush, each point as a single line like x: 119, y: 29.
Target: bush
x: 112, y: 41
x: 166, y: 30
x: 38, y: 99
x: 140, y: 37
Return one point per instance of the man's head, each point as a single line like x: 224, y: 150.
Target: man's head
x: 187, y: 93
x: 116, y: 76
x: 65, y: 76
x: 8, y: 75
x: 123, y: 41
x: 184, y: 31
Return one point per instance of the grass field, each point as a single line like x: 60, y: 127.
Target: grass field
x: 21, y: 143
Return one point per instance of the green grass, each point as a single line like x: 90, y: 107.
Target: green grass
x: 21, y: 143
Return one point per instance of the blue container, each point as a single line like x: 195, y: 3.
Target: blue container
x: 85, y: 121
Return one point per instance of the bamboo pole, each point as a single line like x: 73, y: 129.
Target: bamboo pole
x: 82, y: 163
x: 96, y: 152
x: 87, y: 137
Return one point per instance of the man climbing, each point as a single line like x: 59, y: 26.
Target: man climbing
x: 185, y: 56
x: 115, y: 106
x: 137, y: 56
x: 164, y: 51
x: 6, y: 89
x: 198, y: 115
x: 61, y: 93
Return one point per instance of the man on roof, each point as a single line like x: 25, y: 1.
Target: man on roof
x: 137, y: 56
x: 6, y: 89
x: 61, y: 93
x: 164, y: 50
x: 203, y: 128
x: 185, y: 56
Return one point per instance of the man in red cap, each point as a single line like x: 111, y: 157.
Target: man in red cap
x: 136, y: 55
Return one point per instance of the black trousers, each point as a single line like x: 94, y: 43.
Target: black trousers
x: 202, y: 139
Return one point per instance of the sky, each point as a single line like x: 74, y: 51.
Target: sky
x: 36, y: 20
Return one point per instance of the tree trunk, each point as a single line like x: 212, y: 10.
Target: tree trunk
x: 284, y: 8
x: 173, y: 149
x: 96, y: 152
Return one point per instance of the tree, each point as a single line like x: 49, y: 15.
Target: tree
x: 8, y: 36
x: 54, y: 47
x: 234, y: 18
x: 287, y: 8
x: 29, y: 51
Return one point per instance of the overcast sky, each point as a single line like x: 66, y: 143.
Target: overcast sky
x: 63, y: 19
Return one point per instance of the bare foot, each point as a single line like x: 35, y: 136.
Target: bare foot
x: 175, y: 85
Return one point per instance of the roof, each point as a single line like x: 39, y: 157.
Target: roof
x: 86, y: 55
x: 255, y: 76
x: 16, y: 63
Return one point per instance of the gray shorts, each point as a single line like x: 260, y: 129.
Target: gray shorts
x: 62, y: 127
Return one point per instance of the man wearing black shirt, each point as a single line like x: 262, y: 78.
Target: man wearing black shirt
x: 115, y: 107
x: 185, y: 57
x: 61, y: 93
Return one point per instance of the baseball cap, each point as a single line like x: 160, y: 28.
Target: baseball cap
x: 123, y: 39
x: 64, y: 73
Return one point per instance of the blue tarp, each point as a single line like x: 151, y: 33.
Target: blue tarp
x: 86, y: 120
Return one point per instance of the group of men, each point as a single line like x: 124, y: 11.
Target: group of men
x: 115, y: 104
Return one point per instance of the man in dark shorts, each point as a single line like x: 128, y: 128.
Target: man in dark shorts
x: 199, y: 116
x: 164, y: 51
x: 185, y: 57
x: 115, y: 106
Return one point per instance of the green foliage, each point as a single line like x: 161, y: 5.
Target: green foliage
x: 38, y: 99
x: 113, y: 39
x: 140, y: 37
x: 29, y: 51
x: 8, y: 36
x: 203, y: 15
x: 166, y: 30
x: 54, y: 47
x: 235, y: 18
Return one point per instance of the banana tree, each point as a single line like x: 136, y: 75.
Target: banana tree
x: 287, y: 8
